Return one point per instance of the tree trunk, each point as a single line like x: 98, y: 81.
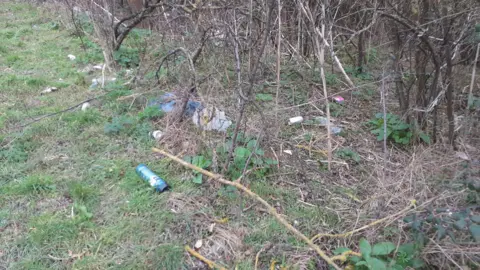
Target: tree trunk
x: 361, y: 53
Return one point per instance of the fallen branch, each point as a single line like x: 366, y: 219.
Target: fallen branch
x: 271, y: 209
x: 197, y: 255
x: 350, y: 233
x: 55, y: 113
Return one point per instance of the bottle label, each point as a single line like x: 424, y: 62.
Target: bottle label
x: 153, y: 180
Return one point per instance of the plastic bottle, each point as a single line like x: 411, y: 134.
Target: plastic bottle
x: 146, y: 174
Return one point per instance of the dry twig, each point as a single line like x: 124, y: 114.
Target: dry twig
x: 271, y: 209
x: 197, y: 255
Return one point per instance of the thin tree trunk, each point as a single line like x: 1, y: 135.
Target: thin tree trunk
x: 361, y: 53
x: 279, y: 45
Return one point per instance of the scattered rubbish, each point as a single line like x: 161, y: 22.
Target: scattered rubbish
x: 338, y: 99
x: 99, y: 67
x: 211, y: 118
x: 288, y: 152
x: 211, y: 228
x: 295, y: 120
x: 146, y: 174
x: 94, y: 84
x: 335, y: 130
x: 85, y: 106
x: 97, y: 81
x: 167, y: 103
x: 462, y: 155
x: 322, y: 121
x: 49, y: 90
x: 157, y: 134
x: 198, y: 244
x: 71, y: 57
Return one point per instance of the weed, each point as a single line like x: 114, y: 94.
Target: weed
x: 397, y: 130
x: 263, y: 97
x: 151, y: 113
x: 347, y: 154
x: 247, y: 156
x: 127, y: 57
x: 382, y: 256
x: 200, y: 162
x: 120, y: 124
x: 11, y: 59
x: 33, y: 184
x: 444, y: 222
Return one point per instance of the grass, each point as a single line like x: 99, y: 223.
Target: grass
x: 69, y: 195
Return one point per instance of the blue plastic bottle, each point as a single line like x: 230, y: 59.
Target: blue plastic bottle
x: 150, y: 177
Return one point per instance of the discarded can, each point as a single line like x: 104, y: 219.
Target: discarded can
x: 150, y: 177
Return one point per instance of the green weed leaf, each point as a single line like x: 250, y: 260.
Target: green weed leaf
x: 197, y: 179
x: 365, y: 248
x: 460, y: 224
x: 383, y: 248
x: 376, y: 264
x: 475, y: 232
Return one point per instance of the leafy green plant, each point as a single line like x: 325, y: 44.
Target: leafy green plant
x: 119, y: 124
x: 347, y: 154
x: 247, y: 156
x: 127, y: 57
x: 151, y: 113
x: 444, y: 222
x: 383, y: 256
x: 263, y: 97
x: 201, y: 162
x: 397, y: 130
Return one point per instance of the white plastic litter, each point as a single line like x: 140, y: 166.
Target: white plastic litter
x: 211, y: 118
x: 157, y: 134
x: 288, y: 152
x: 71, y: 57
x: 85, y: 106
x: 295, y: 120
x: 49, y: 90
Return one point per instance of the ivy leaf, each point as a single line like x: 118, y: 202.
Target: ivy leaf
x: 475, y: 232
x: 383, y: 248
x: 365, y: 248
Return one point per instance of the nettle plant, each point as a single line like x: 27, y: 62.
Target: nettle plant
x: 443, y: 222
x: 382, y: 256
x: 247, y: 156
x: 397, y: 130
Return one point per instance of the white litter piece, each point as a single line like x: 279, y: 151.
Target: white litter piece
x: 211, y: 118
x: 85, y: 106
x: 157, y: 134
x: 71, y: 57
x: 49, y: 90
x: 288, y: 152
x: 99, y: 67
x: 198, y: 244
x: 462, y: 155
x: 295, y: 120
